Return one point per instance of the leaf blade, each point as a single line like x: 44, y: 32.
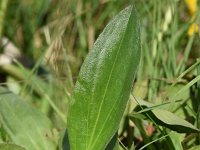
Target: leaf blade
x: 163, y: 117
x: 25, y: 125
x: 173, y: 122
x: 104, y: 83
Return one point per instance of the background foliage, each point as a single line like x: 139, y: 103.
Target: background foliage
x: 43, y: 44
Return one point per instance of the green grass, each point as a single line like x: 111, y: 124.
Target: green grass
x: 54, y: 38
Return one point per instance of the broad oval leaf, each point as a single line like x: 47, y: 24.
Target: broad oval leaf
x: 25, y: 125
x: 104, y: 83
x: 10, y: 147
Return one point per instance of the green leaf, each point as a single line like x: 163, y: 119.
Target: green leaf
x: 175, y: 139
x: 163, y: 117
x: 10, y: 147
x: 25, y: 125
x: 104, y: 83
x: 173, y: 122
